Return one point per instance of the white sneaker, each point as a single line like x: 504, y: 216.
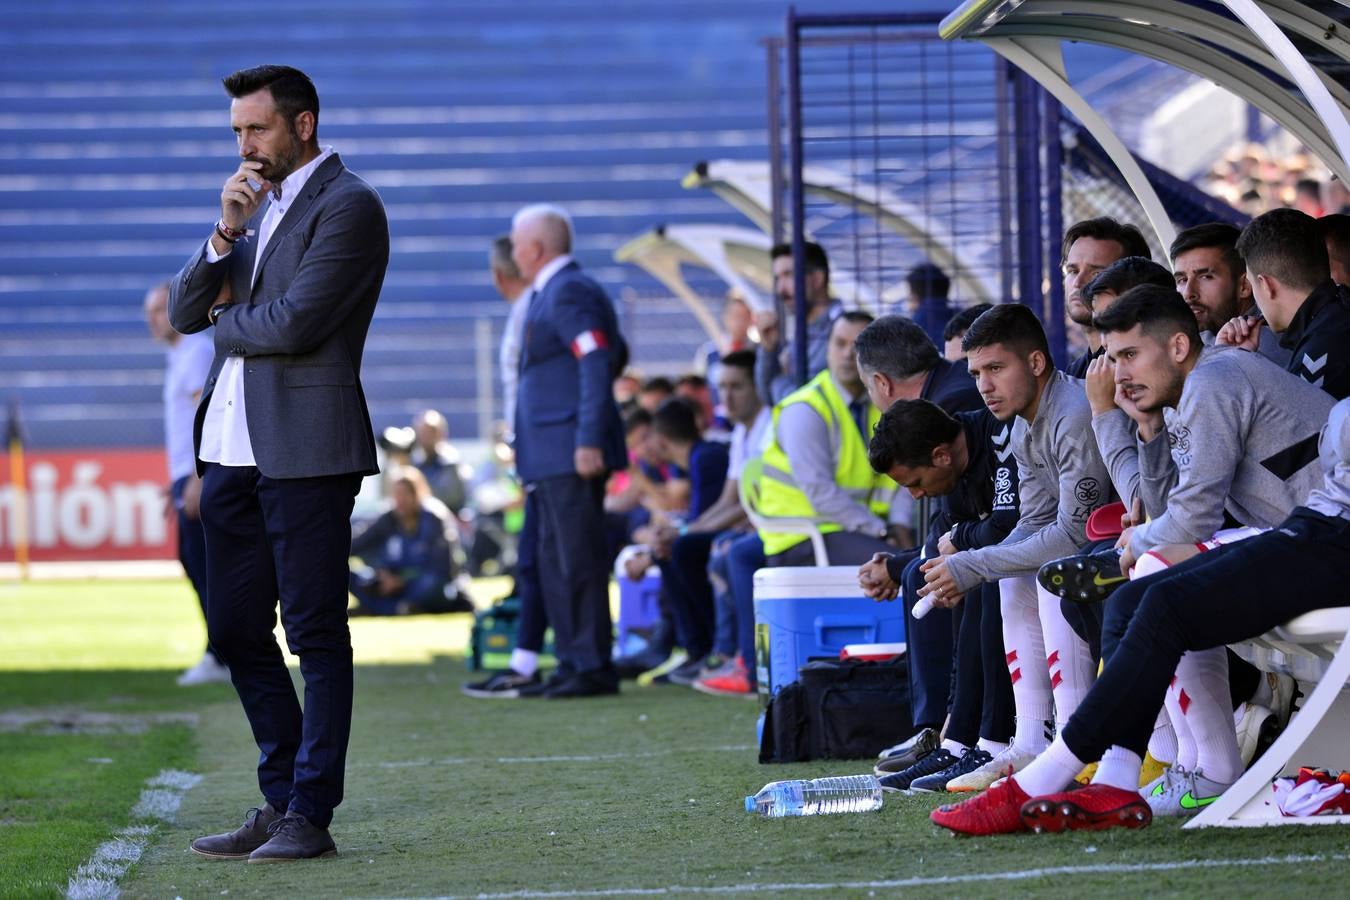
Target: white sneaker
x: 1256, y: 727
x: 209, y: 671
x: 1182, y: 793
x: 1013, y: 759
x: 1282, y: 689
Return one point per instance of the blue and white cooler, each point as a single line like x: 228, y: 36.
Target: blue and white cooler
x: 805, y: 613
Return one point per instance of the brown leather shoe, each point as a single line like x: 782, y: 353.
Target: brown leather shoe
x: 238, y: 844
x: 294, y: 838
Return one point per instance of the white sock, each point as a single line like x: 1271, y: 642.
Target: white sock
x: 1119, y: 768
x: 1052, y: 771
x: 1186, y: 748
x: 1162, y: 746
x: 526, y: 662
x: 1067, y: 657
x: 1032, y: 733
x: 1203, y: 675
x: 1024, y: 649
x: 993, y: 748
x: 955, y: 748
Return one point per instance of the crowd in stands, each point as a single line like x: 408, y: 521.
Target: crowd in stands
x: 1255, y: 181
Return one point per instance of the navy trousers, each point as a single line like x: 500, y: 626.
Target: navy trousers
x: 285, y: 541
x: 689, y: 592
x: 571, y: 547
x: 745, y: 557
x: 931, y: 648
x: 192, y: 550
x: 1221, y: 597
x: 533, y: 616
x: 982, y: 700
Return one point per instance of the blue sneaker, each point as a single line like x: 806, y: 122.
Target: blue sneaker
x: 930, y: 764
x: 932, y: 784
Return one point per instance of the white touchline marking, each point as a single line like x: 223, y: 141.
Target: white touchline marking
x: 1027, y: 874
x: 97, y: 878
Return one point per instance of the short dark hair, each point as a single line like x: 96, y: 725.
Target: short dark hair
x: 856, y: 316
x: 1287, y: 245
x: 1219, y: 235
x: 1105, y: 228
x: 657, y: 383
x: 1335, y: 228
x: 676, y: 420
x: 1309, y: 186
x: 1011, y: 324
x: 501, y: 258
x: 812, y: 254
x: 927, y: 280
x: 1160, y: 310
x: 291, y: 89
x: 740, y: 359
x: 691, y: 379
x: 1128, y: 272
x: 907, y: 434
x: 896, y: 347
x: 635, y: 418
x: 960, y: 321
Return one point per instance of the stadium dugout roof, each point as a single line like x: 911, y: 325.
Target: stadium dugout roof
x: 1288, y: 58
x: 738, y: 256
x: 746, y: 186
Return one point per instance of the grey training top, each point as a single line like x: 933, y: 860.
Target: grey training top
x: 1062, y: 479
x: 1243, y: 438
x: 1332, y: 496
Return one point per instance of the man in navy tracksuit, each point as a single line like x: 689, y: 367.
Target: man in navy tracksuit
x: 966, y: 462
x: 1290, y: 274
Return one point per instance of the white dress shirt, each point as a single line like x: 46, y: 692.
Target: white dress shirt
x: 551, y: 268
x: 513, y: 336
x: 225, y: 438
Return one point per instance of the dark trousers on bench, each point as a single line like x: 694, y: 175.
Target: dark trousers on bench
x: 982, y: 699
x: 1227, y: 595
x: 931, y: 649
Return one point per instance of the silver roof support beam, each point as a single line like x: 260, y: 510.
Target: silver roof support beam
x: 1043, y: 60
x: 1331, y: 114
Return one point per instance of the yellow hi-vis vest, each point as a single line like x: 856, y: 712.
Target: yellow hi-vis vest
x: 778, y: 491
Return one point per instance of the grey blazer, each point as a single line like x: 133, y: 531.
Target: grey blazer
x: 300, y: 327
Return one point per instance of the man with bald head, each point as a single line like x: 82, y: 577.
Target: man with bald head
x: 568, y: 439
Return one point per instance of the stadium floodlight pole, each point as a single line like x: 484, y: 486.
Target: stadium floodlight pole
x: 798, y: 199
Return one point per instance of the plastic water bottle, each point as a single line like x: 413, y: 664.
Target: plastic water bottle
x: 816, y: 797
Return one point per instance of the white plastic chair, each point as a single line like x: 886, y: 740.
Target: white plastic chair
x: 751, y: 475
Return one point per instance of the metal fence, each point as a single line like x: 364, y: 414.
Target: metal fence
x: 892, y: 148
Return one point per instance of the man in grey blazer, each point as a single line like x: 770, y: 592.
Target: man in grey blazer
x: 289, y: 280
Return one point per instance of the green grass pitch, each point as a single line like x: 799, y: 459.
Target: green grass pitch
x: 637, y: 794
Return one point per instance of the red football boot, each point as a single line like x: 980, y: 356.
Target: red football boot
x: 1092, y: 808
x: 996, y: 811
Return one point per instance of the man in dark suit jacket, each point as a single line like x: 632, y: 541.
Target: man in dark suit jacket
x: 568, y: 439
x: 289, y: 280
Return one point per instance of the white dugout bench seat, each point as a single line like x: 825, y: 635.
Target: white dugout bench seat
x: 1315, y: 650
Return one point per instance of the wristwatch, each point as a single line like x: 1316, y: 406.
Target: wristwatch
x: 213, y: 314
